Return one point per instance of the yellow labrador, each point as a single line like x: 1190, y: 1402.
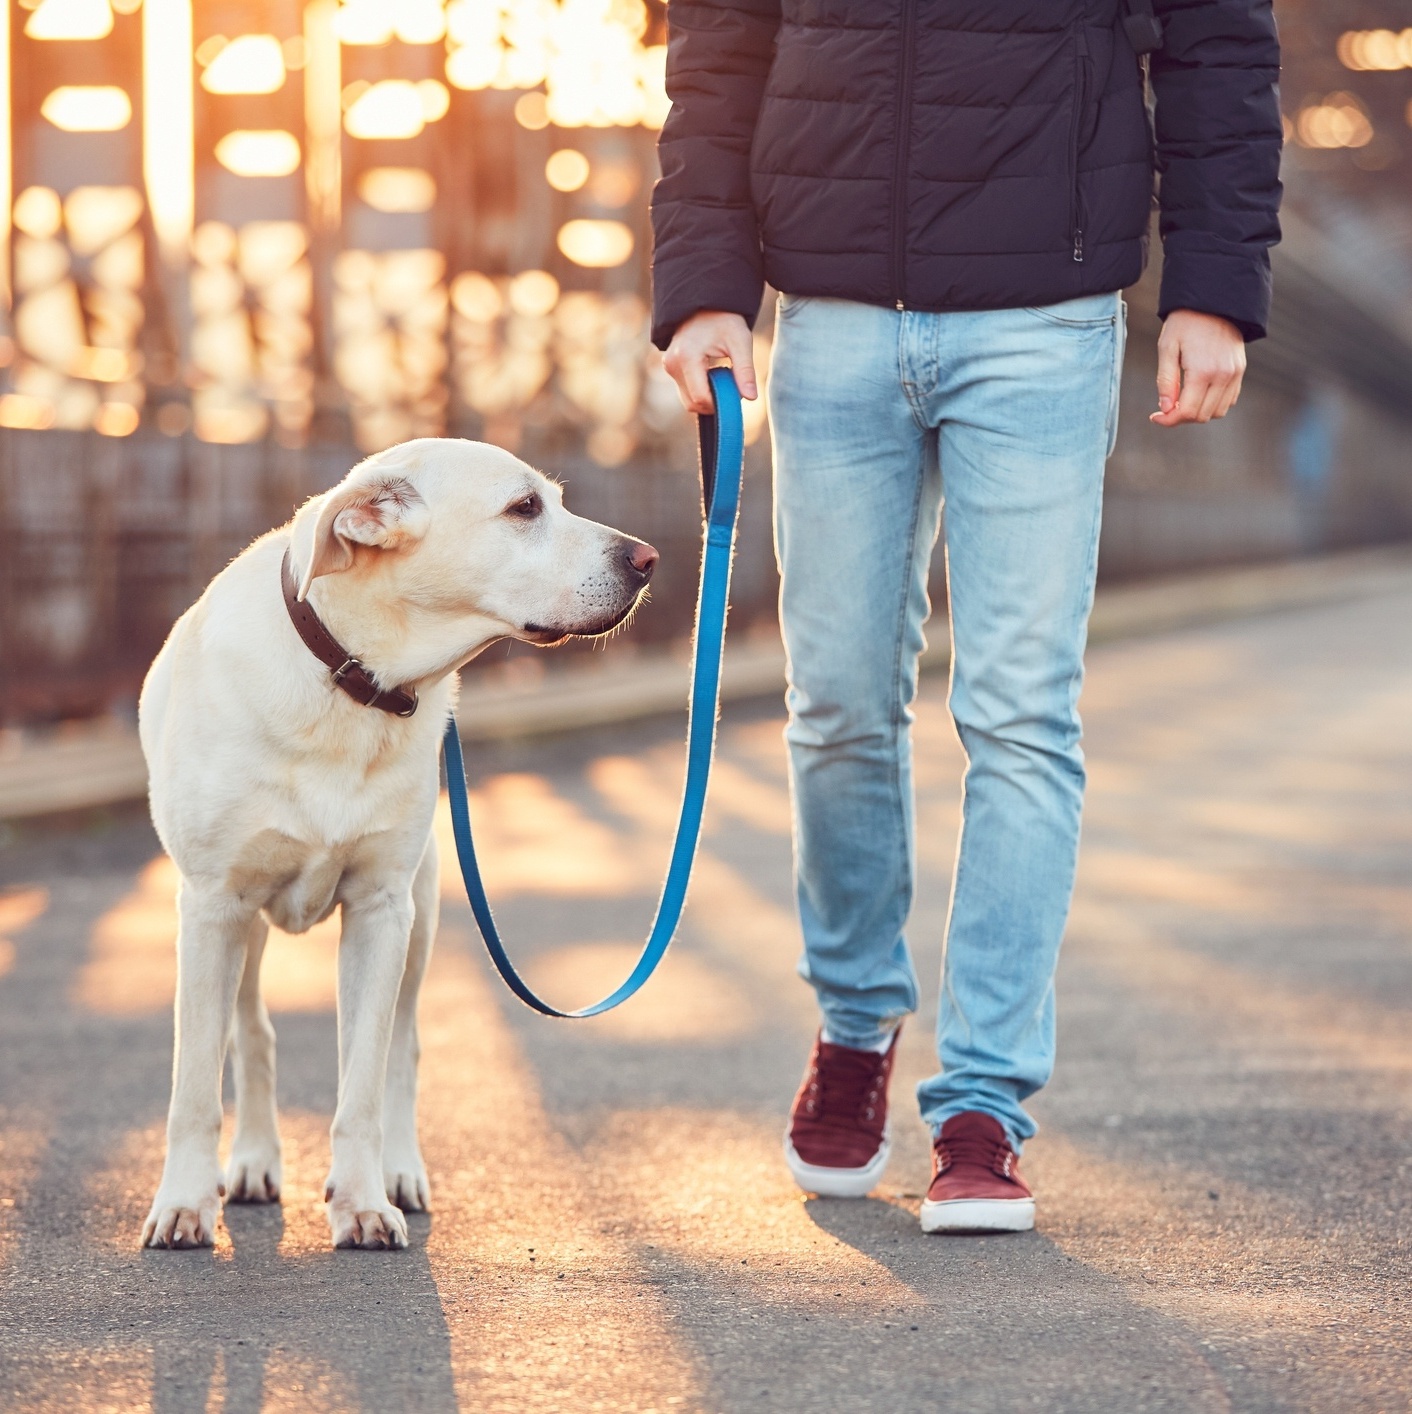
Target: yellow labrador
x: 281, y: 797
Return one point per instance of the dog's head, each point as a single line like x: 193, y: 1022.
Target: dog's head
x: 447, y: 532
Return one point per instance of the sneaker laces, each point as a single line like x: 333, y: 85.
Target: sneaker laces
x: 845, y: 1088
x: 975, y: 1149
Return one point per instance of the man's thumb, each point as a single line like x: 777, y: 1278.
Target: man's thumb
x: 1169, y: 375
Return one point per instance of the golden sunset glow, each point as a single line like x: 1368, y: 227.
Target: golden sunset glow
x: 245, y: 336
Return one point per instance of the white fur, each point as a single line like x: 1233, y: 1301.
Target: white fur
x: 280, y: 798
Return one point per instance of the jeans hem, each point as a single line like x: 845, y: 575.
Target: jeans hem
x: 951, y: 1111
x: 859, y: 1040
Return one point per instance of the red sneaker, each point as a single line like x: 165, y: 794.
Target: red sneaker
x: 837, y: 1143
x: 976, y: 1183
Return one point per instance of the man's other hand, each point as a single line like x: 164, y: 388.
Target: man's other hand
x: 702, y: 341
x: 1200, y: 365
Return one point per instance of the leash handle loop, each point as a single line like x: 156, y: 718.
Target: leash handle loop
x: 722, y: 440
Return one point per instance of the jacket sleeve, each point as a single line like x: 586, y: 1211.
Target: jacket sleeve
x: 1216, y: 84
x: 706, y: 250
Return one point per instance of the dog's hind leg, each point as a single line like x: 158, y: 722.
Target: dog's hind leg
x: 211, y: 937
x: 254, y: 1172
x: 402, y: 1169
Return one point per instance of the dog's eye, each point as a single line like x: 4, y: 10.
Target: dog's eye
x: 526, y: 508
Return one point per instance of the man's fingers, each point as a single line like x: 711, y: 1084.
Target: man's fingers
x: 703, y: 339
x: 740, y: 347
x: 1195, y: 387
x: 1197, y: 402
x: 1230, y: 394
x: 1205, y: 410
x: 697, y: 387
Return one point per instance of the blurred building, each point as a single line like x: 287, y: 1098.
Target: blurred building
x: 252, y: 239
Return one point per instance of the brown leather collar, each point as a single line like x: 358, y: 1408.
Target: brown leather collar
x: 347, y: 671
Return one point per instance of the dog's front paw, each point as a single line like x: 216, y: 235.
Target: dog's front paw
x: 254, y: 1174
x: 405, y: 1178
x: 182, y: 1223
x: 373, y: 1228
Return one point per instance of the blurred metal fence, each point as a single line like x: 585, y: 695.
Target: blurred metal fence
x: 104, y: 541
x: 107, y: 541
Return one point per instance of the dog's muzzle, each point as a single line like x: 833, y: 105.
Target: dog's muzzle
x: 635, y: 563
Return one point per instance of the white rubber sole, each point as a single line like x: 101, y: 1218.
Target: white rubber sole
x: 837, y: 1183
x: 979, y: 1215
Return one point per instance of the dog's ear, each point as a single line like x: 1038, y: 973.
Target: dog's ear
x: 386, y: 512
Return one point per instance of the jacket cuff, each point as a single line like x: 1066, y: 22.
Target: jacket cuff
x: 1232, y: 284
x: 715, y: 263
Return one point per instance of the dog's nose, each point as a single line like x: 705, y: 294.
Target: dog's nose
x: 642, y: 559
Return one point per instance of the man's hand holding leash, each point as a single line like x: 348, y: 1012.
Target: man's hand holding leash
x: 702, y: 341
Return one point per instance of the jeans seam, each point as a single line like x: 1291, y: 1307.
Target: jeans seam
x: 898, y: 646
x: 909, y: 389
x: 1094, y: 535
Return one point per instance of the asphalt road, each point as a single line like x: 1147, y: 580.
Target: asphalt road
x: 1224, y: 1170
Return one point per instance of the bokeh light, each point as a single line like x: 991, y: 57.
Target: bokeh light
x: 397, y: 189
x: 393, y: 108
x: 258, y: 152
x: 70, y: 19
x: 1340, y: 120
x: 598, y: 245
x: 1375, y: 49
x: 566, y: 170
x: 95, y: 108
x: 253, y: 63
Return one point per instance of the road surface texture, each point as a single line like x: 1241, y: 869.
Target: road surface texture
x: 1224, y: 1169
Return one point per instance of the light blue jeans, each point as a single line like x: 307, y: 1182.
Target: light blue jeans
x: 876, y: 413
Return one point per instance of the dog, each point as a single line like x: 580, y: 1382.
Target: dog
x: 285, y: 784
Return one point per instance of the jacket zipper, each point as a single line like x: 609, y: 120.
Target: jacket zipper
x: 1076, y: 220
x: 904, y: 143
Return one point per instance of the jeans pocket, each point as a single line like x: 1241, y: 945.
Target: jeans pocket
x: 1086, y: 312
x: 790, y: 305
x: 1120, y: 343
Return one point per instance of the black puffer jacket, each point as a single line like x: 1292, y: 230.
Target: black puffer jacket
x: 963, y: 154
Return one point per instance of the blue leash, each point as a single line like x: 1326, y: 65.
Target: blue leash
x: 722, y: 460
